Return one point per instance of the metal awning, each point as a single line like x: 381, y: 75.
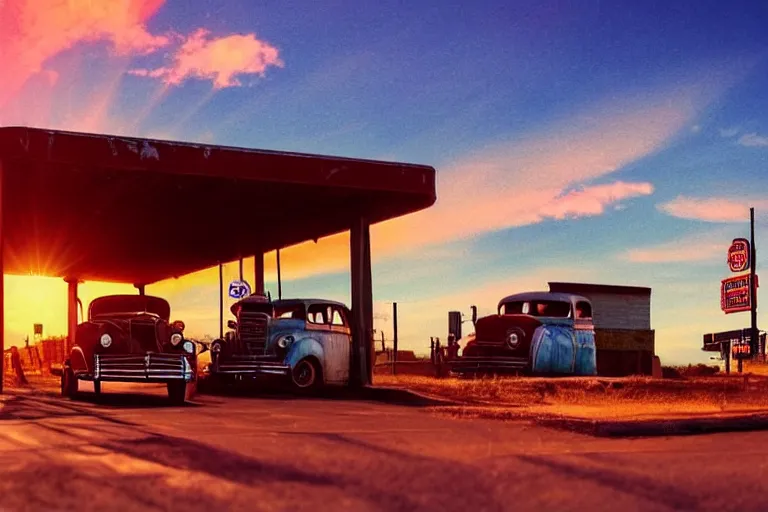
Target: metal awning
x: 119, y: 209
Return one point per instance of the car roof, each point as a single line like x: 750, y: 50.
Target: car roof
x: 555, y: 296
x: 292, y: 301
x: 308, y: 302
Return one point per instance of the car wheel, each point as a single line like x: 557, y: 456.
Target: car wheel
x: 306, y: 376
x: 69, y: 383
x: 177, y: 392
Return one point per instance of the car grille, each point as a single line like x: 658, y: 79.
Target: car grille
x: 253, y: 331
x: 144, y: 367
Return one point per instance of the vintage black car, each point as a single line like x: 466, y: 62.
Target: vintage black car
x: 129, y: 338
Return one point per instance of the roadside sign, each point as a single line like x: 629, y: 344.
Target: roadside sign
x: 741, y: 350
x: 739, y: 255
x: 734, y: 294
x: 239, y: 289
x: 38, y: 329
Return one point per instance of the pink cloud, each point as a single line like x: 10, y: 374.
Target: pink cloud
x: 678, y: 252
x: 589, y: 201
x: 220, y: 60
x: 705, y: 246
x: 33, y: 31
x: 527, y: 180
x: 712, y: 209
x: 753, y: 140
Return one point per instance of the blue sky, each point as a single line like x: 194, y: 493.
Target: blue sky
x: 617, y: 142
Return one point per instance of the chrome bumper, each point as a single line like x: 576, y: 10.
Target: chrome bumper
x: 487, y: 364
x: 137, y: 368
x: 249, y: 365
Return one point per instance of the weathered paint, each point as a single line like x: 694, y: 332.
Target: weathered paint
x: 559, y: 348
x: 148, y: 151
x: 337, y: 347
x: 553, y: 350
x: 586, y: 360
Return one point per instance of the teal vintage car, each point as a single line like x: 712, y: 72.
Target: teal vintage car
x: 307, y: 342
x: 541, y: 333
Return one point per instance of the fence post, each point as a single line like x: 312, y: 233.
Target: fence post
x: 395, y: 338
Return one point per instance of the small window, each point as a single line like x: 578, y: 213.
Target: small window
x: 338, y: 317
x: 583, y: 310
x: 514, y: 308
x: 317, y: 314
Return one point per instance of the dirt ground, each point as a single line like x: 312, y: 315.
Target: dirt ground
x: 596, y: 398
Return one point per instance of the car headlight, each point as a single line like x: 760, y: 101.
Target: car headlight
x: 216, y: 347
x: 176, y: 339
x: 106, y: 340
x: 513, y: 339
x: 188, y: 347
x: 284, y: 341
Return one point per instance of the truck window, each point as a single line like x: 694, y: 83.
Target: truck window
x: 583, y: 310
x: 550, y: 308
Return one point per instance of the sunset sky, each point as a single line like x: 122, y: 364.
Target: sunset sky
x: 607, y: 142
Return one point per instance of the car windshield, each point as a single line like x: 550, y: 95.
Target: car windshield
x: 549, y: 308
x: 295, y: 311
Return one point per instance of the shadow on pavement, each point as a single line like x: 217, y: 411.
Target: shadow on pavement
x: 269, y: 391
x: 129, y: 400
x: 92, y: 461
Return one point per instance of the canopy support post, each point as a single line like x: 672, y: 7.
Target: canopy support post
x: 221, y: 301
x: 2, y: 284
x: 279, y: 278
x: 258, y: 273
x: 361, y: 371
x: 72, y: 304
x: 141, y: 288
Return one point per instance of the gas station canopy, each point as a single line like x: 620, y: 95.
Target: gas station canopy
x: 119, y: 209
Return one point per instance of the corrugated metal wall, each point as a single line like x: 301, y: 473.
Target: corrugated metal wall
x: 620, y: 311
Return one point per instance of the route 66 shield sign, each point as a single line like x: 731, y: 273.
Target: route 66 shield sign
x: 239, y: 289
x: 738, y: 255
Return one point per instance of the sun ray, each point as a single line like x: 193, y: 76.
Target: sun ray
x: 183, y: 119
x: 134, y: 127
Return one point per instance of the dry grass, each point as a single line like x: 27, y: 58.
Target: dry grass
x: 632, y: 397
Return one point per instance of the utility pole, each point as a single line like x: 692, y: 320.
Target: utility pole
x: 754, y: 336
x: 394, y: 339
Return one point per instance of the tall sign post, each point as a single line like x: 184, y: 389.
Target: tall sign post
x: 754, y: 337
x: 739, y: 293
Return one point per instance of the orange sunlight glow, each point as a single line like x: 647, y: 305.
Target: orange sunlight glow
x: 43, y: 48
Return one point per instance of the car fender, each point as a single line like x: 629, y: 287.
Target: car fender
x: 553, y: 349
x: 302, y: 348
x: 77, y: 360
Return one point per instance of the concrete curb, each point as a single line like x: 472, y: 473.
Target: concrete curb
x: 659, y: 427
x: 653, y: 427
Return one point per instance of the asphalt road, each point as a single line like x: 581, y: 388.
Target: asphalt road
x: 128, y: 451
